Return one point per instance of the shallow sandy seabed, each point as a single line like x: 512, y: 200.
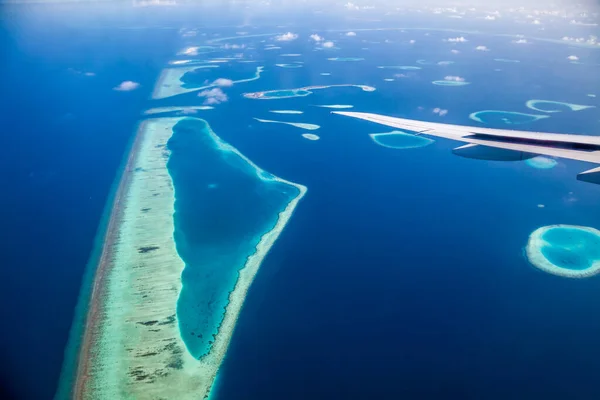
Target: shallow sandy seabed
x: 132, y: 346
x: 310, y: 136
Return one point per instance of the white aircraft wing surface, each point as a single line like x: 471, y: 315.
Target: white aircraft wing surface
x: 501, y: 144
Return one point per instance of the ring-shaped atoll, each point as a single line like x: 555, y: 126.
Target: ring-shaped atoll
x: 450, y: 83
x: 565, y: 250
x: 297, y: 65
x: 506, y: 117
x: 401, y: 67
x: 558, y: 106
x: 345, y: 59
x: 540, y: 162
x: 400, y: 140
x: 299, y: 92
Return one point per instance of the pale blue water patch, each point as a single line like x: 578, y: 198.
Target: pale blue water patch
x: 450, y: 83
x: 506, y: 60
x: 301, y: 125
x: 550, y: 106
x: 400, y: 140
x: 345, y: 59
x: 445, y: 62
x: 401, y: 67
x: 223, y: 206
x: 505, y: 117
x: 335, y: 106
x: 297, y: 65
x: 424, y: 62
x: 286, y: 111
x: 541, y: 162
x: 571, y: 247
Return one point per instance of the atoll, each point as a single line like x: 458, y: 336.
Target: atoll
x: 565, y: 250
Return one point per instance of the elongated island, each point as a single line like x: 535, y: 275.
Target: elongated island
x: 191, y: 222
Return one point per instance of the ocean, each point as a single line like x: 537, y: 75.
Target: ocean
x: 401, y: 272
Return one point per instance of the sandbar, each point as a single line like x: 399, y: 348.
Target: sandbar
x: 310, y: 136
x: 310, y: 127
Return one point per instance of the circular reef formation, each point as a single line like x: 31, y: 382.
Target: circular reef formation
x: 565, y: 250
x: 540, y: 162
x: 400, y: 140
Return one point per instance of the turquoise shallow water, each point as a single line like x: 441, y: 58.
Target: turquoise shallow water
x: 571, y: 248
x: 221, y: 213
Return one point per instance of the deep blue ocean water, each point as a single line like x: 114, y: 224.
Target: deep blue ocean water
x: 400, y: 273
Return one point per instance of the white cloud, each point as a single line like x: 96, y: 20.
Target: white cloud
x: 189, y: 51
x: 454, y: 78
x: 460, y: 39
x: 126, y: 86
x: 482, y: 48
x: 286, y: 37
x: 454, y: 51
x: 222, y: 82
x: 439, y: 111
x: 89, y: 73
x: 213, y: 96
x: 573, y: 58
x: 316, y: 37
x: 351, y: 34
x: 412, y: 41
x: 490, y: 17
x: 351, y: 6
x: 328, y: 45
x: 536, y: 22
x: 520, y: 41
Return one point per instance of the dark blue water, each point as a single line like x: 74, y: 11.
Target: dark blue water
x: 64, y: 135
x: 401, y: 272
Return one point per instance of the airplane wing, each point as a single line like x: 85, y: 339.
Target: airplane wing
x: 501, y: 144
